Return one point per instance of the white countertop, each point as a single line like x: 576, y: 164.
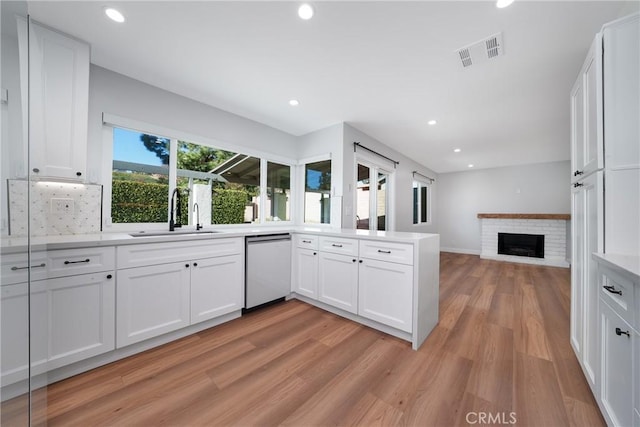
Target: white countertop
x: 18, y: 244
x: 626, y: 263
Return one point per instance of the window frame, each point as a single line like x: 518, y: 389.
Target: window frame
x: 301, y: 184
x: 111, y: 121
x: 421, y: 184
x: 375, y: 166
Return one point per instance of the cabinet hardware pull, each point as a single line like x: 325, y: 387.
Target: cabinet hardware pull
x: 315, y: 253
x: 383, y: 252
x: 577, y: 184
x: 77, y: 262
x: 186, y: 265
x: 354, y: 260
x: 360, y: 261
x: 195, y: 264
x: 14, y: 268
x: 109, y: 276
x: 578, y: 172
x: 620, y: 332
x: 613, y: 290
x: 36, y: 170
x: 306, y: 241
x: 336, y: 245
x: 78, y: 173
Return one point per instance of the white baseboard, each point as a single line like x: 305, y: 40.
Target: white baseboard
x: 461, y: 251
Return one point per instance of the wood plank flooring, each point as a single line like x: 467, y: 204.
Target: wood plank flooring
x: 501, y: 349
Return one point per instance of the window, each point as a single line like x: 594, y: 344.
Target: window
x: 317, y: 192
x: 217, y: 186
x: 140, y: 177
x: 278, y: 192
x: 236, y: 198
x: 372, y: 193
x: 421, y: 203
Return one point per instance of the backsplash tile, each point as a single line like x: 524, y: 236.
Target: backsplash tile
x: 85, y: 198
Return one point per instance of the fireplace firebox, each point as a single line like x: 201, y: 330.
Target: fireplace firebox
x: 528, y: 245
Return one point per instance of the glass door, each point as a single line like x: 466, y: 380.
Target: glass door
x: 16, y: 259
x: 372, y: 192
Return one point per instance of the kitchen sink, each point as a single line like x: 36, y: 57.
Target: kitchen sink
x: 171, y: 233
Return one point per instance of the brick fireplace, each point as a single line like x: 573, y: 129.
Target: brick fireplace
x: 551, y: 229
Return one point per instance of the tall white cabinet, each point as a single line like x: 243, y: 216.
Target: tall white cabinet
x: 605, y: 160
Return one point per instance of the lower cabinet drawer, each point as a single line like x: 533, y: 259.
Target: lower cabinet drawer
x: 619, y: 292
x: 69, y: 262
x: 387, y: 251
x: 338, y: 245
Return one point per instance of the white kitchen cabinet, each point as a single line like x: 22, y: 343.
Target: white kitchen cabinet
x: 385, y: 293
x: 80, y: 317
x: 163, y: 287
x: 14, y: 311
x: 616, y: 392
x: 217, y: 287
x: 622, y: 135
x: 152, y: 301
x: 71, y: 319
x: 58, y: 103
x: 586, y: 115
x: 587, y: 232
x: 305, y: 272
x: 338, y: 280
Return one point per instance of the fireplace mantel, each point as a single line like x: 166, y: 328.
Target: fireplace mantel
x: 524, y: 216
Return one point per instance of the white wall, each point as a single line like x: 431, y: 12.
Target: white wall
x: 536, y: 188
x: 113, y: 93
x: 403, y: 183
x: 321, y: 143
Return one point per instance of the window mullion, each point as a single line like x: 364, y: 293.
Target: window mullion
x: 173, y: 170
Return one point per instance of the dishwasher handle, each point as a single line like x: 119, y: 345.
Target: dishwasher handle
x: 268, y: 238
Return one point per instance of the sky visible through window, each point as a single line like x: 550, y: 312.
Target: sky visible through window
x: 128, y: 147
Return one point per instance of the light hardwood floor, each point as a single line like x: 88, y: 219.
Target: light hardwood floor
x: 501, y: 349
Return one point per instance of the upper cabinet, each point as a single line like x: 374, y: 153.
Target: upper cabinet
x: 621, y: 64
x: 586, y: 115
x: 58, y: 104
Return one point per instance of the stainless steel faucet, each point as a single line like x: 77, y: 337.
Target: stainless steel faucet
x: 197, y: 209
x: 177, y: 210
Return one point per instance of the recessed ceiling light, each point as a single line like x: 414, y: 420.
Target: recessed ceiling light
x: 305, y: 11
x: 469, y: 165
x: 503, y: 3
x: 457, y: 150
x: 431, y: 122
x: 114, y: 14
x: 294, y: 102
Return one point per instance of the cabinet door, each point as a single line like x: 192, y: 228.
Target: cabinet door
x: 81, y: 317
x: 586, y: 114
x: 58, y: 103
x: 338, y: 281
x: 305, y: 273
x: 592, y: 241
x: 217, y: 287
x: 385, y: 293
x: 152, y: 301
x: 14, y: 321
x: 617, y: 368
x: 577, y: 269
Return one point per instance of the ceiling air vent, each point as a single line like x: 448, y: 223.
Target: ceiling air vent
x: 481, y: 51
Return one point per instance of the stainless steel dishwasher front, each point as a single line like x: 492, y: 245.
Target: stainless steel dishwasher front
x: 268, y: 268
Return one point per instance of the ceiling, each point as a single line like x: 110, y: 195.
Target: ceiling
x: 384, y: 67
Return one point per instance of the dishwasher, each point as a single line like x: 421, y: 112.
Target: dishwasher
x: 268, y: 269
